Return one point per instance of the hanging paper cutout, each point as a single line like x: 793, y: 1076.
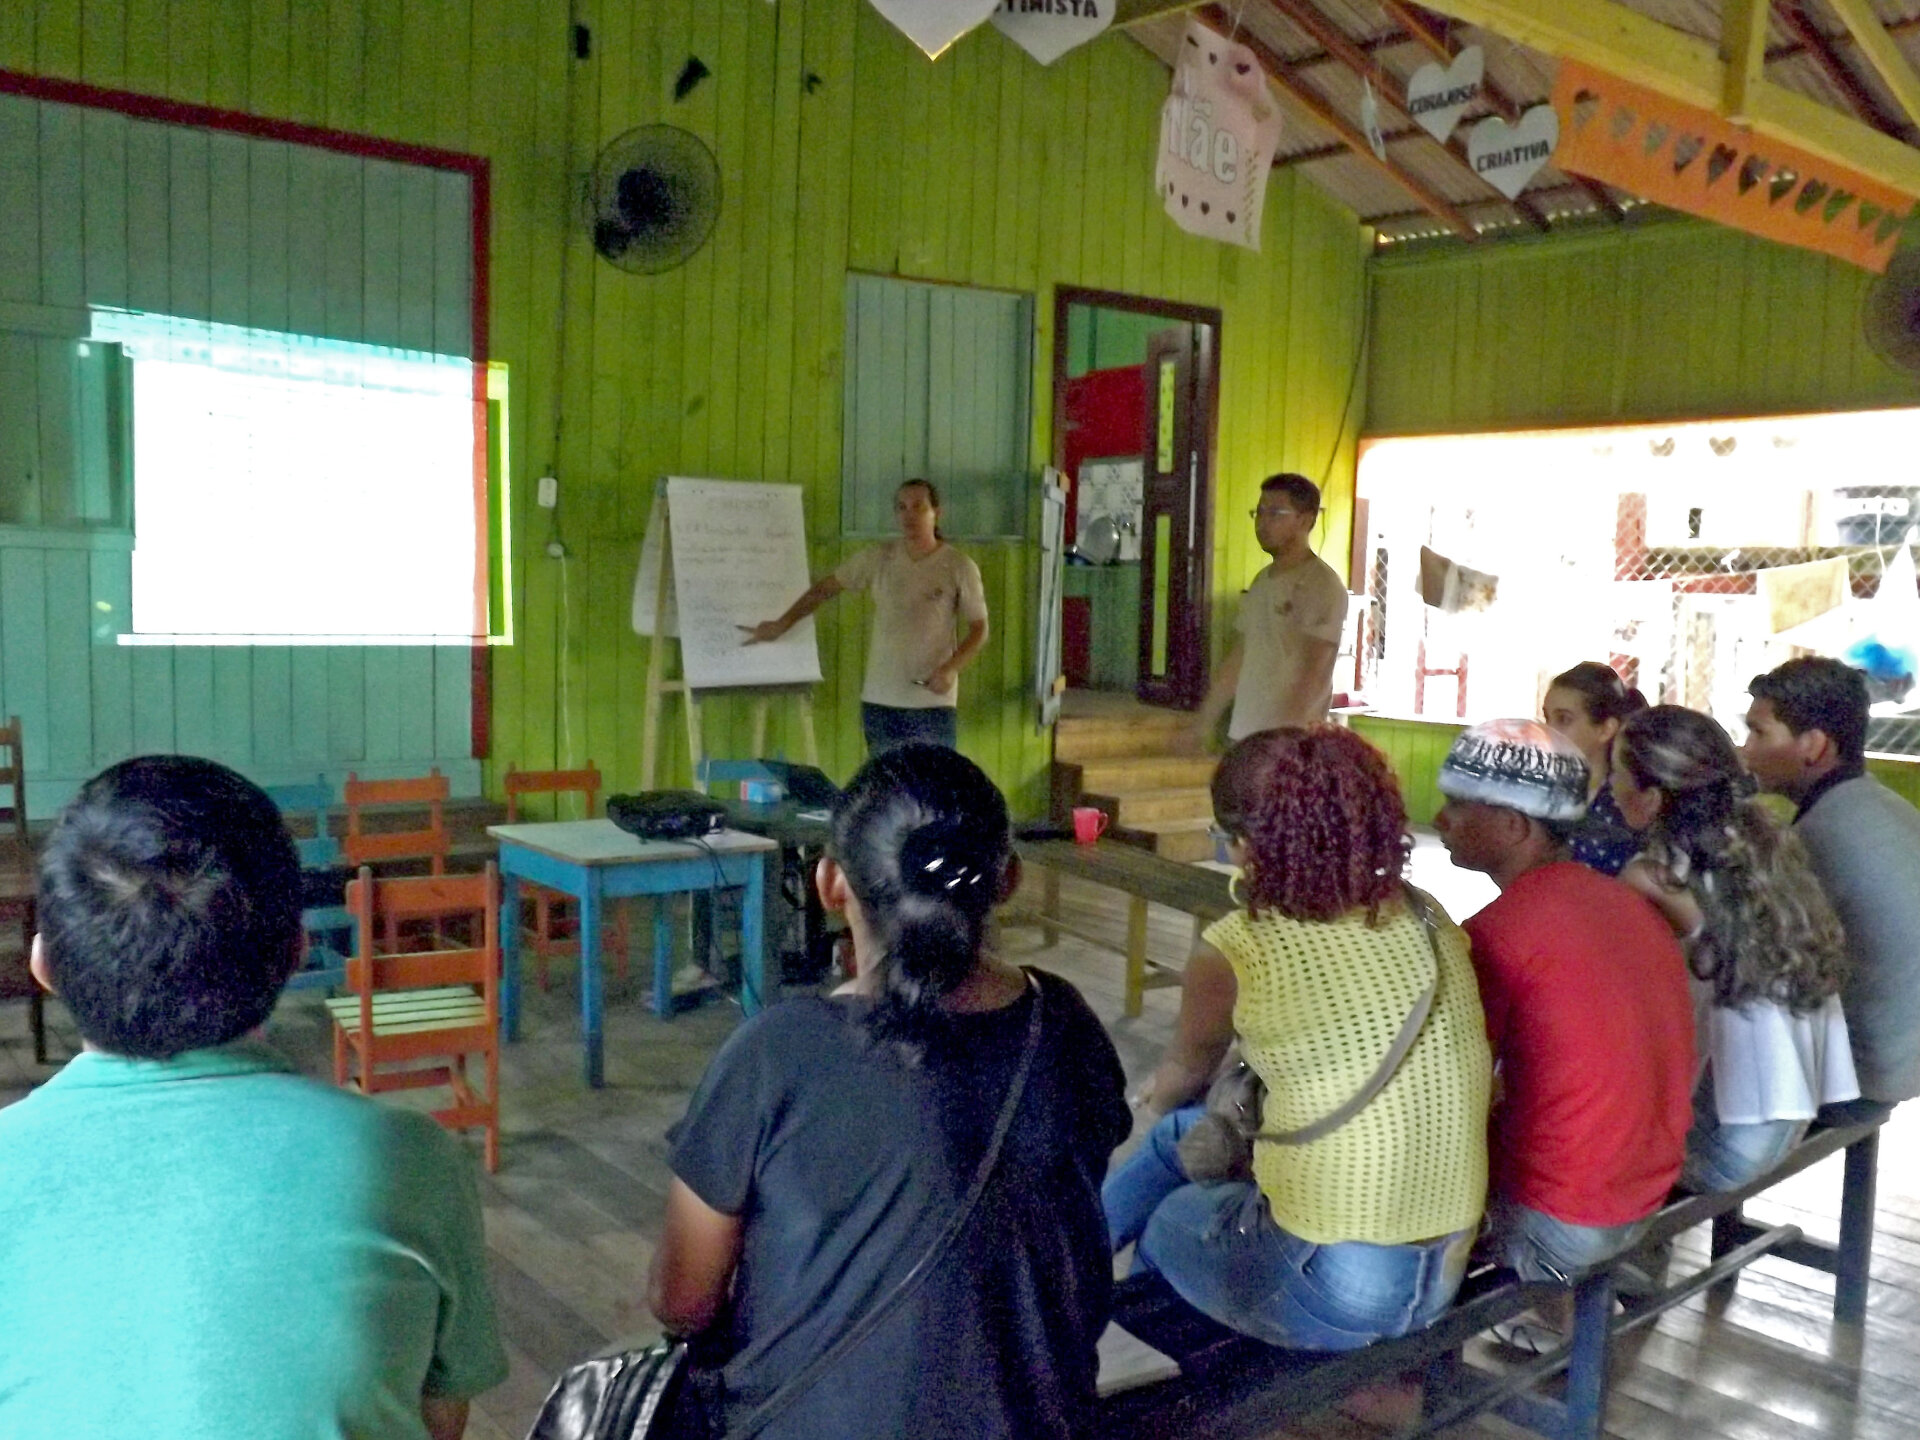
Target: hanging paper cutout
x: 1889, y: 651
x: 1047, y: 29
x: 1370, y: 120
x: 1795, y: 594
x: 1218, y: 131
x: 933, y: 25
x: 1437, y: 97
x: 1508, y: 156
x: 1451, y: 587
x: 1690, y: 159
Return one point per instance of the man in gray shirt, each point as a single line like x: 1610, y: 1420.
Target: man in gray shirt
x: 1806, y: 740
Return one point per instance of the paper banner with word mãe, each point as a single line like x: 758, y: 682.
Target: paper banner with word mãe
x: 1218, y: 131
x: 1693, y: 160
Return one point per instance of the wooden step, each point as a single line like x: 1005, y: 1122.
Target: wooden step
x: 1160, y: 772
x: 1140, y: 809
x: 1151, y: 732
x: 1182, y: 840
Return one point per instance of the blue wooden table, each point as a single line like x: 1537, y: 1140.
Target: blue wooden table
x: 595, y: 861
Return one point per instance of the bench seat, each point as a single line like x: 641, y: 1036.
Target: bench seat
x: 1231, y: 1386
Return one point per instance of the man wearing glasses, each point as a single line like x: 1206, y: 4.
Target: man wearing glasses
x: 1280, y: 670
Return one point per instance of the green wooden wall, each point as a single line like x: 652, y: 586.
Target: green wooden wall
x: 1665, y: 320
x: 842, y: 149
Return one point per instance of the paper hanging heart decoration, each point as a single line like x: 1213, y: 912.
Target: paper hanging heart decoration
x: 1370, y: 120
x: 1218, y: 131
x: 1437, y: 97
x: 933, y: 25
x: 1048, y: 29
x: 1508, y: 156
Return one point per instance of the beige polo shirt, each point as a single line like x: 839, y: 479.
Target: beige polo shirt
x: 917, y: 607
x: 1281, y: 611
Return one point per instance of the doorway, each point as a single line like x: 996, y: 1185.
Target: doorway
x: 1135, y: 406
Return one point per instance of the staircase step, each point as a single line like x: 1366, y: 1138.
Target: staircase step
x: 1141, y: 809
x: 1182, y: 840
x: 1159, y: 772
x: 1150, y: 732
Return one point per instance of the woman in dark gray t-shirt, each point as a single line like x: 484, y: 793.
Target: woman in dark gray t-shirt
x: 834, y: 1136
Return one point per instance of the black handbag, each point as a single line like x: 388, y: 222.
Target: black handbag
x: 656, y: 1393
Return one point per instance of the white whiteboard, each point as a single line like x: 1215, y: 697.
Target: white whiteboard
x: 739, y: 557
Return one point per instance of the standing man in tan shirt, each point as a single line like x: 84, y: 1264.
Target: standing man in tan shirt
x: 923, y: 591
x: 1280, y: 670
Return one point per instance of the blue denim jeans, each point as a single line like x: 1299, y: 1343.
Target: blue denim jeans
x: 1725, y: 1157
x: 1218, y: 1246
x: 1540, y: 1247
x: 886, y: 726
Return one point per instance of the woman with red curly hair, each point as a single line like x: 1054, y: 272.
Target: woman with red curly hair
x: 1362, y: 1231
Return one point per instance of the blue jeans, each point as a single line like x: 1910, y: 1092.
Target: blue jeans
x: 887, y: 726
x: 1540, y: 1247
x: 1218, y: 1246
x: 1725, y: 1157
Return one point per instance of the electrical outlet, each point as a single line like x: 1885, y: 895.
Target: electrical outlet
x: 547, y: 492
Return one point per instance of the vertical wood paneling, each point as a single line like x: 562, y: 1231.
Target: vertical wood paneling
x: 1662, y: 321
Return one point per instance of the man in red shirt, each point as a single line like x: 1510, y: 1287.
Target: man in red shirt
x: 1587, y: 1006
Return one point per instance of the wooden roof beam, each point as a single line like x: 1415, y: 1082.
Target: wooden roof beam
x: 1422, y: 28
x: 1811, y: 41
x: 1337, y: 43
x: 1882, y: 53
x: 1325, y: 115
x: 1132, y: 12
x: 1623, y: 42
x: 1743, y: 44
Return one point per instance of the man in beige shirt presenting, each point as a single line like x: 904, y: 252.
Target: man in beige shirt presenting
x: 1280, y: 670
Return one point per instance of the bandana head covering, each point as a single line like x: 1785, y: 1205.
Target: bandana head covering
x: 1518, y: 765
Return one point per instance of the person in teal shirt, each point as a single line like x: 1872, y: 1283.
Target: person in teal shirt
x: 198, y: 1243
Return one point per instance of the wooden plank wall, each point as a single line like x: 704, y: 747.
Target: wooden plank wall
x: 100, y: 210
x: 1668, y: 320
x: 842, y: 148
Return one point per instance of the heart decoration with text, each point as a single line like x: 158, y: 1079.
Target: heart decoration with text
x: 1048, y: 29
x: 1437, y: 98
x: 933, y: 25
x: 1508, y: 156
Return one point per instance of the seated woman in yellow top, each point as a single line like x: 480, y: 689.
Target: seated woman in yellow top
x: 1362, y: 1233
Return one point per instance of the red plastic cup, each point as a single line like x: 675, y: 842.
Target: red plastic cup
x: 1088, y: 822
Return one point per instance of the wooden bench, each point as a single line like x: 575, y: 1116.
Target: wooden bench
x: 1144, y: 877
x: 1232, y: 1386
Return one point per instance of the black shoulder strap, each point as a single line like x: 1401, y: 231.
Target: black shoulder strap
x: 794, y: 1388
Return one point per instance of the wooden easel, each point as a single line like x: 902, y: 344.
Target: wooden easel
x: 660, y: 685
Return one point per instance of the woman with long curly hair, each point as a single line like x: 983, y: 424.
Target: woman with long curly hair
x: 1362, y: 1232
x: 1764, y: 945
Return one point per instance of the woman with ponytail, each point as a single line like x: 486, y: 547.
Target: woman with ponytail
x: 1588, y: 704
x: 1362, y: 1231
x: 834, y: 1138
x: 1765, y: 948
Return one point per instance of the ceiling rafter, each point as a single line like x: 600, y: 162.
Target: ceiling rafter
x: 1812, y: 41
x: 1337, y: 43
x: 1743, y: 39
x: 1621, y: 41
x: 1280, y: 74
x: 1882, y: 52
x: 1430, y: 34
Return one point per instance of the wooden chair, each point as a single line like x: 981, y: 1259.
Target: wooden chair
x: 17, y: 870
x: 328, y: 923
x: 361, y: 847
x: 550, y: 924
x: 439, y: 1005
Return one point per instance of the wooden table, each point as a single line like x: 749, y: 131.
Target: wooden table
x: 1144, y: 877
x: 595, y: 861
x: 17, y: 886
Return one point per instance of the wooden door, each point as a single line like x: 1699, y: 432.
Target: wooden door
x: 1175, y: 524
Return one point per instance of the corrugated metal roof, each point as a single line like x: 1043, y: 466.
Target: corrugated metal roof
x: 1520, y: 75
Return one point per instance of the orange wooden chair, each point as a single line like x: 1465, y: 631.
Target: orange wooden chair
x: 438, y: 1005
x: 361, y: 847
x: 550, y: 925
x: 17, y: 871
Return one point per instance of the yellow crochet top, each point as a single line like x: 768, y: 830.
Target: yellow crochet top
x: 1319, y: 1004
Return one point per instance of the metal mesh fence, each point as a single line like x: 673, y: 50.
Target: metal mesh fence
x: 1481, y: 585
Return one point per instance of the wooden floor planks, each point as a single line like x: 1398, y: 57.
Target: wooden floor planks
x: 571, y: 1218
